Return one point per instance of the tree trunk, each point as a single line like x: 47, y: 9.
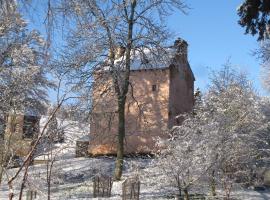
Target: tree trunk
x: 11, y: 192
x: 1, y: 174
x: 121, y: 137
x: 122, y: 91
x: 213, y: 184
x: 186, y: 194
x: 228, y: 192
x: 25, y: 176
x: 178, y: 196
x: 21, y: 190
x: 49, y: 190
x: 49, y: 173
x: 179, y: 187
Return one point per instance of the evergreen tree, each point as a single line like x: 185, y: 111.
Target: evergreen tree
x: 23, y: 81
x: 255, y: 17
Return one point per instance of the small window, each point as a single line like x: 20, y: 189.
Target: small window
x: 154, y: 88
x: 13, y: 127
x: 178, y: 121
x: 30, y: 126
x: 145, y: 61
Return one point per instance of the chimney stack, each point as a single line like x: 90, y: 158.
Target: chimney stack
x: 120, y: 50
x: 181, y: 47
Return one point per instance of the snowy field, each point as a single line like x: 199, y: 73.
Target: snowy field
x: 72, y: 179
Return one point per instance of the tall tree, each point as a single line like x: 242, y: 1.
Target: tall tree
x: 255, y: 17
x: 225, y: 137
x: 104, y: 26
x: 23, y: 81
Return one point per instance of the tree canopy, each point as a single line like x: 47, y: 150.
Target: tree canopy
x: 255, y: 17
x: 23, y: 81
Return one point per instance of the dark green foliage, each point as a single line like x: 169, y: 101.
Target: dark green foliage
x: 255, y: 17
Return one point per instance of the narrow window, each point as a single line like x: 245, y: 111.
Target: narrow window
x: 30, y: 126
x: 12, y: 123
x: 178, y: 121
x: 154, y: 88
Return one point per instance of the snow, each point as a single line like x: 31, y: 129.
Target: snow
x: 146, y: 58
x: 73, y: 131
x: 84, y: 138
x: 68, y: 187
x: 72, y: 177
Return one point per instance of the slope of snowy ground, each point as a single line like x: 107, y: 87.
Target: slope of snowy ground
x: 73, y: 131
x: 72, y: 179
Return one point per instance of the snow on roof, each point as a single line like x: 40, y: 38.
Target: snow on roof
x: 84, y: 138
x: 146, y: 58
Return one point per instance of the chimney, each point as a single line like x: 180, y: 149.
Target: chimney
x: 181, y: 47
x: 120, y: 50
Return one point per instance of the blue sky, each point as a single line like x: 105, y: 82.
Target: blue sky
x: 214, y: 36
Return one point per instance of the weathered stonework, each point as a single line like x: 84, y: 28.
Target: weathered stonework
x: 156, y: 96
x: 19, y: 145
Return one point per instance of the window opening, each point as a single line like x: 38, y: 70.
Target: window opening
x: 154, y: 88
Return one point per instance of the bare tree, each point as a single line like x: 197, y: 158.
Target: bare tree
x: 104, y: 26
x: 228, y: 127
x: 96, y: 29
x: 184, y: 158
x: 23, y: 83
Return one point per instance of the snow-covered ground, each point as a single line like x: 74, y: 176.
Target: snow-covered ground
x: 72, y: 177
